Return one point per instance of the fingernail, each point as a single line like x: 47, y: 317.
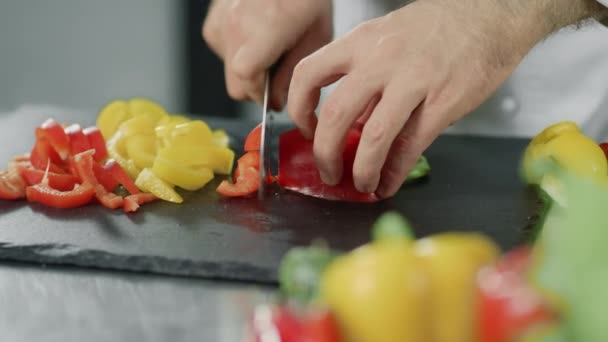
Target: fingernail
x: 238, y: 56
x: 382, y: 191
x: 327, y: 178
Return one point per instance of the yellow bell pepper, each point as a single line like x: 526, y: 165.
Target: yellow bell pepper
x: 452, y: 261
x: 142, y: 150
x: 147, y: 108
x: 221, y: 139
x: 378, y: 293
x: 138, y: 125
x: 188, y: 178
x: 195, y: 133
x: 111, y: 116
x: 147, y: 181
x: 118, y: 151
x: 220, y: 159
x: 564, y: 144
x: 171, y: 149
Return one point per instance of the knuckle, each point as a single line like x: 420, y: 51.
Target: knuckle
x: 331, y: 112
x: 364, y: 28
x: 403, y: 144
x: 375, y: 131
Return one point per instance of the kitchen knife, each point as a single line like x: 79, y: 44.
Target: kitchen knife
x: 267, y: 121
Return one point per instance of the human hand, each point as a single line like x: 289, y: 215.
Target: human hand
x: 406, y: 77
x: 250, y: 36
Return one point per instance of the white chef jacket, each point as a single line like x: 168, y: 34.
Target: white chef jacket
x: 565, y: 77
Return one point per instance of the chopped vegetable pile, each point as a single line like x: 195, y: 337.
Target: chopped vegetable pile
x: 68, y: 167
x: 162, y: 151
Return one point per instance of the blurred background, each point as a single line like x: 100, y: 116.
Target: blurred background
x: 82, y: 54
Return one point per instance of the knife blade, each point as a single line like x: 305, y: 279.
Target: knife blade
x: 266, y: 122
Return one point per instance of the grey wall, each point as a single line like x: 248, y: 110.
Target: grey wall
x: 80, y: 54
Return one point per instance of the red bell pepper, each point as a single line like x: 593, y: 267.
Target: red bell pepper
x: 121, y: 176
x: 58, y: 181
x: 84, y: 168
x: 133, y: 202
x: 104, y: 177
x: 290, y: 326
x: 253, y: 141
x: 298, y: 170
x: 97, y: 142
x: 604, y: 147
x: 507, y: 305
x: 53, y: 133
x: 12, y: 186
x: 78, y: 141
x: 44, y: 155
x: 247, y: 182
x: 42, y: 193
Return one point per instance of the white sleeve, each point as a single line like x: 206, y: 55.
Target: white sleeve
x: 603, y: 2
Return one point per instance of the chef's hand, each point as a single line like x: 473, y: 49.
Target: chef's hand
x: 252, y: 35
x: 406, y: 77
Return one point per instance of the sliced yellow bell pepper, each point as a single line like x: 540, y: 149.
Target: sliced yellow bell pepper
x: 118, y: 151
x: 378, y: 293
x: 111, y: 116
x: 188, y: 178
x: 147, y: 108
x: 221, y: 139
x: 138, y: 125
x: 220, y: 159
x: 452, y: 261
x: 142, y: 150
x: 195, y: 133
x: 148, y: 182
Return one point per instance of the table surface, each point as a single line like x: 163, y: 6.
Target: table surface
x: 62, y: 303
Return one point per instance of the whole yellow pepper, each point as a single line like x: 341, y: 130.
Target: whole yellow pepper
x: 378, y: 293
x: 452, y: 261
x: 397, y: 290
x: 565, y: 145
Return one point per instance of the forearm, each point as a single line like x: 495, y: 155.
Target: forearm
x: 556, y: 14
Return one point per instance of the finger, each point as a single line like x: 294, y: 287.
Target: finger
x: 311, y: 42
x: 379, y: 132
x: 211, y: 30
x: 316, y: 71
x: 366, y: 114
x: 234, y: 85
x: 338, y: 114
x: 417, y: 134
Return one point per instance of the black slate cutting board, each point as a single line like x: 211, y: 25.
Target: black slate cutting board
x: 473, y: 187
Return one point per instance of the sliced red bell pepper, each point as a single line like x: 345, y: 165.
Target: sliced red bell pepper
x: 54, y: 134
x: 508, y: 306
x: 58, y: 181
x: 12, y: 186
x: 253, y: 141
x: 104, y: 177
x: 78, y: 141
x: 97, y: 142
x: 604, y: 147
x: 83, y: 163
x: 44, y: 155
x: 298, y: 170
x: 121, y: 176
x: 42, y: 193
x: 247, y: 183
x: 290, y: 326
x: 133, y: 202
